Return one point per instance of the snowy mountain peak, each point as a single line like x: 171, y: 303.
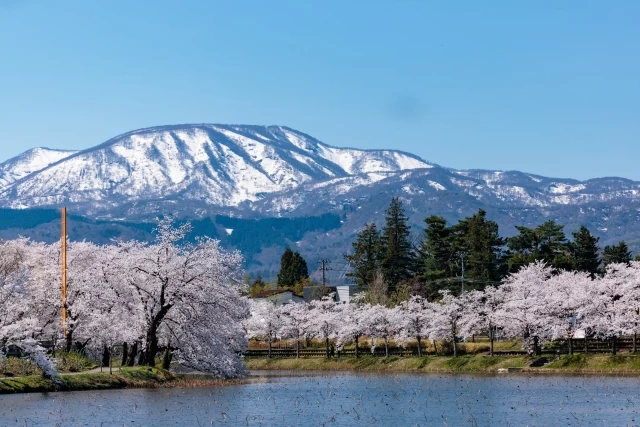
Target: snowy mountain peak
x: 219, y: 165
x: 29, y: 162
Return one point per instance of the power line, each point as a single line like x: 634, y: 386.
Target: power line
x: 324, y: 270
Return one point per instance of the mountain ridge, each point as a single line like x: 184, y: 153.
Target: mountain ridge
x: 247, y: 171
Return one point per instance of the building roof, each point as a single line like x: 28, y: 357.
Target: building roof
x: 271, y: 292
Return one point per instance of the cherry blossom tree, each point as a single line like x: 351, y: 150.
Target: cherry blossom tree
x: 266, y: 322
x: 447, y: 314
x: 522, y: 313
x: 630, y: 290
x: 382, y: 323
x: 295, y: 323
x: 322, y: 321
x: 19, y: 299
x: 416, y: 317
x: 481, y: 313
x: 13, y: 291
x: 189, y: 297
x: 351, y: 323
x: 607, y: 312
x: 563, y: 301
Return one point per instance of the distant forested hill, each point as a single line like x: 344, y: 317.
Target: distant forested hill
x: 247, y: 235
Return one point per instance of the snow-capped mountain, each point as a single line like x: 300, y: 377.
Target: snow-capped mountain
x: 29, y: 162
x: 200, y: 171
x: 216, y: 165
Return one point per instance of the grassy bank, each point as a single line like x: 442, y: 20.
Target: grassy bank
x: 139, y: 377
x: 591, y: 363
x: 395, y: 363
x: 579, y: 363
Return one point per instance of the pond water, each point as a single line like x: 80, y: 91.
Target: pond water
x: 346, y: 399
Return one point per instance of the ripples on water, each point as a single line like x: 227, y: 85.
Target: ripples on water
x: 346, y: 399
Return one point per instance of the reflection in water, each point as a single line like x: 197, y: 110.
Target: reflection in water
x: 345, y: 399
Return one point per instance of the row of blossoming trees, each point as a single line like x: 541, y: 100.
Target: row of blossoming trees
x: 536, y: 304
x: 166, y: 296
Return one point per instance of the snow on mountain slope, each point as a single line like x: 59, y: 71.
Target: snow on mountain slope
x: 29, y: 162
x: 354, y: 161
x: 491, y: 189
x: 207, y: 169
x: 219, y: 165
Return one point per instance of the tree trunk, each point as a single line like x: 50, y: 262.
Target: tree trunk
x: 419, y: 346
x: 435, y: 348
x: 69, y: 339
x: 326, y: 344
x: 167, y: 356
x: 386, y: 347
x: 151, y: 349
x: 570, y: 346
x: 455, y: 344
x: 269, y: 355
x: 133, y: 352
x: 537, y: 347
x: 111, y: 362
x: 298, y: 348
x: 634, y: 342
x: 125, y: 350
x: 106, y: 356
x: 586, y: 343
x: 357, y: 354
x: 491, y: 338
x: 614, y: 350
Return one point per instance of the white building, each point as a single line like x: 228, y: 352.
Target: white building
x: 345, y: 292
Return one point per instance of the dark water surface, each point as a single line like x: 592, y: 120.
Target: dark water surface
x: 346, y: 399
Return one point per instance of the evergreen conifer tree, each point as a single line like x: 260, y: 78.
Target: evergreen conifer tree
x: 585, y: 252
x: 547, y: 242
x: 365, y: 260
x: 397, y: 253
x: 482, y: 244
x: 473, y: 243
x: 435, y: 249
x: 293, y: 268
x: 619, y: 253
x: 299, y: 269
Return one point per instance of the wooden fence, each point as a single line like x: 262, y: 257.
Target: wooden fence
x: 556, y: 347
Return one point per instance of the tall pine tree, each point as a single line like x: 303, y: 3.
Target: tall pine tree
x: 483, y: 247
x: 435, y: 249
x: 472, y: 243
x: 293, y: 269
x: 365, y: 260
x: 585, y: 252
x: 397, y: 252
x: 619, y: 253
x: 547, y: 242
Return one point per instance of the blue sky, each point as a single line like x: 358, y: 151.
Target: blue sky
x: 546, y: 87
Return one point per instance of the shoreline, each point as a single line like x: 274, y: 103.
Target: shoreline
x: 577, y: 364
x: 129, y: 378
x: 144, y: 377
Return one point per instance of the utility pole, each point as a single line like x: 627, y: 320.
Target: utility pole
x: 324, y: 269
x: 462, y: 277
x: 63, y: 241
